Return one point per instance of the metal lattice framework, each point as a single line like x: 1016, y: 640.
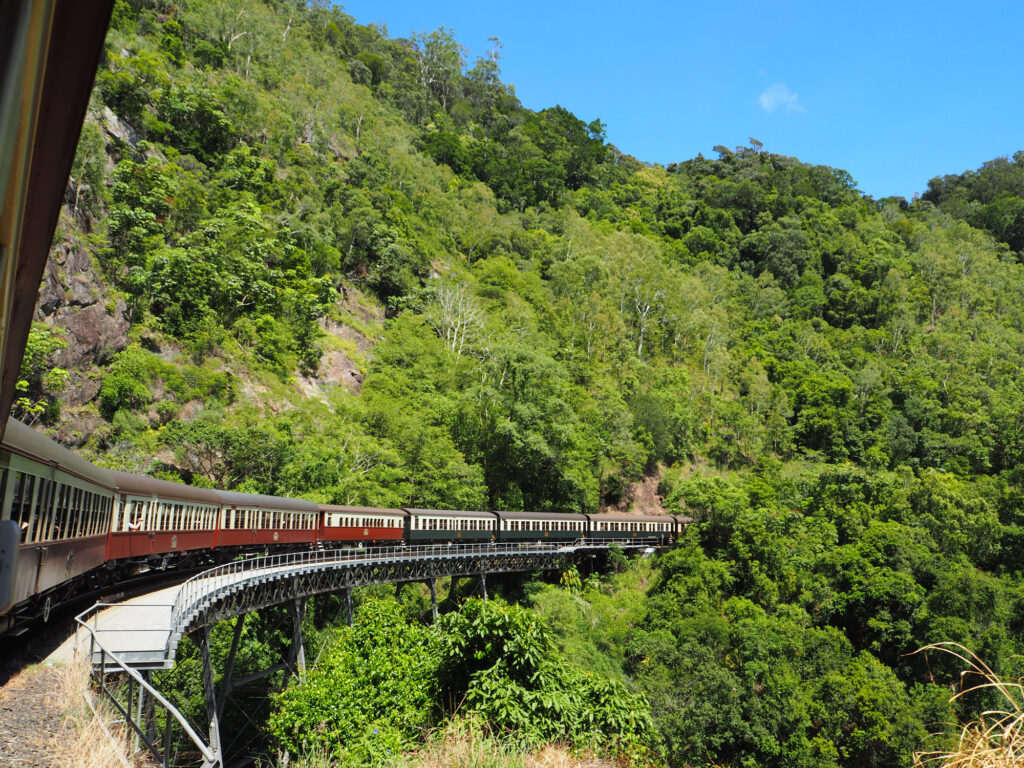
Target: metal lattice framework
x: 248, y: 585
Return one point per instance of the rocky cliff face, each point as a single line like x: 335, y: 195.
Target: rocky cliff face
x: 74, y: 298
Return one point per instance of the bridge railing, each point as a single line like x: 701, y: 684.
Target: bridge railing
x: 109, y: 661
x: 202, y: 585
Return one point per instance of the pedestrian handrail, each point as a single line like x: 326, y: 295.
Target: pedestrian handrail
x: 100, y: 673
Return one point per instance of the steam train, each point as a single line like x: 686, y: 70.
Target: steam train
x: 82, y: 527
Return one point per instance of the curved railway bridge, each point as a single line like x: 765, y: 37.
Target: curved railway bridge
x: 133, y: 638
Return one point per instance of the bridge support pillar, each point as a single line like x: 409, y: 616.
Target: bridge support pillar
x: 211, y: 699
x: 146, y: 718
x: 483, y: 585
x: 296, y: 653
x: 432, y: 583
x: 348, y: 606
x: 227, y: 684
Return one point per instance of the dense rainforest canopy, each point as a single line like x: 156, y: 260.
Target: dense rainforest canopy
x: 356, y: 269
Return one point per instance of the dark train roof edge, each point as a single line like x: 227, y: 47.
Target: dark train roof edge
x: 540, y: 515
x: 344, y: 508
x: 143, y: 485
x: 449, y: 512
x: 21, y: 438
x: 252, y: 500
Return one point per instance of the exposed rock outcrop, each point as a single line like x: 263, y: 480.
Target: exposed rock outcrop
x: 74, y: 298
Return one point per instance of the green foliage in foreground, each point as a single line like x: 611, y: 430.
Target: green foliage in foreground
x: 385, y: 681
x: 372, y: 694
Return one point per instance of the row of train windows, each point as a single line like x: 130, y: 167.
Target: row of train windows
x: 273, y: 519
x: 543, y: 525
x: 363, y: 522
x: 153, y: 515
x: 47, y: 510
x: 605, y: 526
x: 451, y: 524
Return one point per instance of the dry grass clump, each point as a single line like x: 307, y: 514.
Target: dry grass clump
x: 996, y: 738
x: 86, y: 740
x: 464, y: 743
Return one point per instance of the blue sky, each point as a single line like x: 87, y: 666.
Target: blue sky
x: 894, y: 92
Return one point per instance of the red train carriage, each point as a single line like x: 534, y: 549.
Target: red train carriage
x: 248, y: 519
x: 62, y: 505
x: 362, y: 524
x: 157, y: 517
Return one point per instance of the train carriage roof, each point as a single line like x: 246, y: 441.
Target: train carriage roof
x: 259, y: 501
x: 447, y: 513
x: 349, y: 510
x: 22, y: 439
x: 142, y: 485
x: 622, y: 517
x: 539, y: 516
x: 684, y: 519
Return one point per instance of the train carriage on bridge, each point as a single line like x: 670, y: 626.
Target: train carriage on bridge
x: 531, y: 526
x: 623, y: 526
x: 437, y: 525
x: 249, y: 519
x: 155, y: 517
x: 363, y: 524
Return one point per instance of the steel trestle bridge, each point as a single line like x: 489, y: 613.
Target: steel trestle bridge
x: 141, y: 635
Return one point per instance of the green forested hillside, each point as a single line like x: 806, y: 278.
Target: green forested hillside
x: 354, y: 268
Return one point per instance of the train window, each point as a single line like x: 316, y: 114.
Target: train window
x: 59, y: 516
x: 92, y: 514
x: 20, y: 510
x: 81, y: 512
x: 21, y: 504
x: 71, y: 517
x: 44, y: 520
x: 43, y: 506
x: 75, y: 508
